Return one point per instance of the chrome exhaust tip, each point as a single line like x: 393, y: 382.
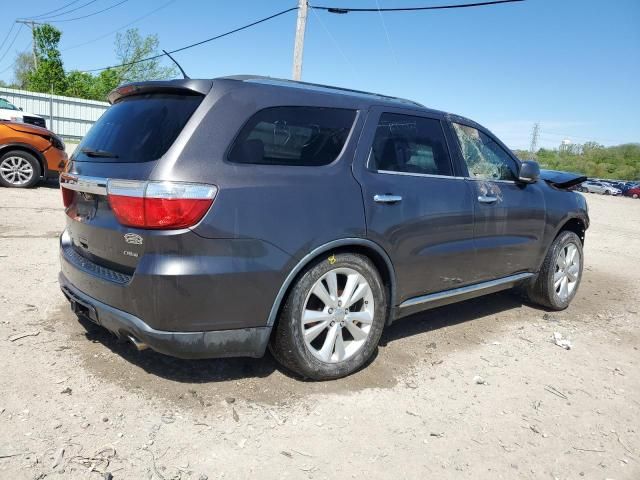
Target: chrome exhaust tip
x: 137, y: 343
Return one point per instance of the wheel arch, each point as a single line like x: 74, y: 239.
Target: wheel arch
x: 25, y: 147
x: 576, y: 225
x: 366, y: 247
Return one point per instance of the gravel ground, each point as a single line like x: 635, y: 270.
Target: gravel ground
x: 74, y: 403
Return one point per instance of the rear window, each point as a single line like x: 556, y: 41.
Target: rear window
x: 138, y: 128
x: 298, y: 136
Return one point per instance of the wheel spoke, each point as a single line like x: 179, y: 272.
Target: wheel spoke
x: 312, y: 316
x: 564, y: 288
x: 361, y: 317
x: 557, y: 278
x: 353, y: 281
x: 311, y: 334
x: 356, y: 332
x: 340, y: 352
x: 359, y: 294
x: 321, y: 292
x: 329, y: 343
x: 332, y: 282
x: 572, y: 272
x: 571, y: 253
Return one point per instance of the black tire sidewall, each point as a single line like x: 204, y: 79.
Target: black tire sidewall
x: 304, y: 362
x: 37, y: 171
x: 560, y: 243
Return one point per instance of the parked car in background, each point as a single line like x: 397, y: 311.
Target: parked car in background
x: 29, y: 154
x: 212, y: 218
x: 633, y: 192
x: 592, y: 186
x: 8, y: 111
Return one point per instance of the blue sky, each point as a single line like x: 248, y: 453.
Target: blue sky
x: 572, y: 65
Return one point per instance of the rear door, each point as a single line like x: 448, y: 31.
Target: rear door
x: 416, y: 207
x: 510, y: 216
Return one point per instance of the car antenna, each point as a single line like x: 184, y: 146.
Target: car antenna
x: 175, y: 61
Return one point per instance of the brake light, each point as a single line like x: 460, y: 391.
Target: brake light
x: 159, y: 205
x: 67, y: 196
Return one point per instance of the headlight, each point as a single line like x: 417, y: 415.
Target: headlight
x: 57, y: 142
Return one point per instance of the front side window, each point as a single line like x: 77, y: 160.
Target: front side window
x: 409, y: 144
x: 296, y: 136
x: 485, y: 159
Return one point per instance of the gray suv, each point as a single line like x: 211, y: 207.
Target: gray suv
x: 214, y: 218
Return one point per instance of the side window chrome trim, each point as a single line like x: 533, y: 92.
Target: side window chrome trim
x: 409, y: 174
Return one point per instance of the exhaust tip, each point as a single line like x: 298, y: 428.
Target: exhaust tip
x: 137, y: 343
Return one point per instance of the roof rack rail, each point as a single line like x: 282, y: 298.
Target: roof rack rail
x: 286, y: 82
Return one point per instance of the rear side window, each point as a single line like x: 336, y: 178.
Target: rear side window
x: 138, y: 128
x: 409, y: 144
x: 298, y: 136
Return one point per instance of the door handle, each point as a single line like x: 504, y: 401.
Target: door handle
x: 387, y: 198
x: 487, y: 199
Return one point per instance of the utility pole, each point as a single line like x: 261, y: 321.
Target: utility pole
x: 534, y: 140
x: 301, y: 26
x: 32, y: 24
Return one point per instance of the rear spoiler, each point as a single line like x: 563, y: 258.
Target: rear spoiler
x: 184, y: 87
x: 562, y: 179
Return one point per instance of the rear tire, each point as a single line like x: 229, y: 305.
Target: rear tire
x: 335, y: 332
x: 560, y: 275
x: 635, y: 195
x: 19, y: 169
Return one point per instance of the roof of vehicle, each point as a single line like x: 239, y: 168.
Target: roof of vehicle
x: 202, y: 86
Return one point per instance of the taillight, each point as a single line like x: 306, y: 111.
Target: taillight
x: 159, y: 205
x: 67, y: 196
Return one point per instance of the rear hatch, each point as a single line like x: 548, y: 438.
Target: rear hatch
x: 113, y: 211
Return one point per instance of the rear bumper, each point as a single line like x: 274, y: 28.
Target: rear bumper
x: 244, y: 342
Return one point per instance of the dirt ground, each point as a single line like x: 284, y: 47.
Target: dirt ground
x: 74, y: 403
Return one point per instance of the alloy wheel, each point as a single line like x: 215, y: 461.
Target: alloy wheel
x: 16, y: 170
x: 567, y: 271
x: 338, y: 315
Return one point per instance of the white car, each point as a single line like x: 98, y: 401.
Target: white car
x: 8, y: 111
x: 592, y: 186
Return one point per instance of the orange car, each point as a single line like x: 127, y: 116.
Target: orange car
x: 29, y: 154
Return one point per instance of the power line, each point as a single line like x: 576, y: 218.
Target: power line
x: 12, y: 42
x: 335, y: 42
x: 411, y: 9
x: 386, y: 32
x: 90, y: 14
x: 119, y: 28
x: 54, y: 11
x: 47, y: 17
x: 7, y: 35
x: 244, y: 27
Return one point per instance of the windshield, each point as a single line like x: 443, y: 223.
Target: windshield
x: 6, y: 105
x: 140, y: 128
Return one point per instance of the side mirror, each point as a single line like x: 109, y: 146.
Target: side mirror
x: 529, y: 172
x: 20, y: 108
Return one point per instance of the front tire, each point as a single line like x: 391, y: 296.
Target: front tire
x: 19, y: 169
x: 559, y: 278
x: 333, y: 318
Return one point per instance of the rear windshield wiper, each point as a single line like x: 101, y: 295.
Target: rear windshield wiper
x: 89, y: 152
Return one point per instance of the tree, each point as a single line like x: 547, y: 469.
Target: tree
x: 132, y: 47
x: 23, y: 66
x: 49, y: 75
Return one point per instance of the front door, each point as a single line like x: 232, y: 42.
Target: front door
x: 509, y: 215
x: 416, y: 208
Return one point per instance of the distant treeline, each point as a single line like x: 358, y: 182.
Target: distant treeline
x: 621, y: 162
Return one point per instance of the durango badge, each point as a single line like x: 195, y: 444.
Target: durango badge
x: 133, y: 238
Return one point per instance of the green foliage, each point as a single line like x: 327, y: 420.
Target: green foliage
x: 621, y: 162
x: 132, y: 47
x: 49, y: 75
x: 23, y: 66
